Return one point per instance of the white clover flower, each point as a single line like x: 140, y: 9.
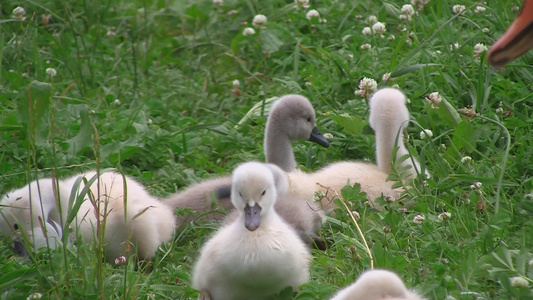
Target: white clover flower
x: 454, y: 46
x: 485, y: 30
x: 385, y: 77
x: 466, y: 160
x: 419, y: 219
x: 117, y: 101
x: 312, y: 14
x: 408, y: 42
x: 477, y: 185
x: 366, y: 47
x: 356, y: 215
x: 378, y: 28
x: 322, y: 20
x: 308, y: 84
x: 444, y: 216
x: 372, y: 20
x: 33, y: 296
x: 479, y: 9
x: 392, y: 37
x: 119, y: 261
x: 442, y: 147
x: 479, y: 48
x: 350, y: 57
x: 515, y: 8
x: 248, y: 31
x: 408, y: 10
x: 217, y: 1
x: 367, y: 86
x: 328, y: 135
x: 519, y: 282
x: 499, y: 110
x: 367, y: 31
x: 301, y: 3
x: 457, y: 9
x: 19, y: 13
x: 259, y: 21
x: 404, y: 17
x: 149, y: 121
x: 51, y: 72
x: 434, y: 99
x: 236, y: 83
x: 396, y: 86
x: 426, y: 133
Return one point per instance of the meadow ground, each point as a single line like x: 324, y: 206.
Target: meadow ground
x: 162, y: 91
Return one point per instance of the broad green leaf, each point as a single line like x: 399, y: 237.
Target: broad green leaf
x: 83, y: 139
x: 351, y: 124
x: 448, y: 114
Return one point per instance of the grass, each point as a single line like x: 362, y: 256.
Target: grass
x: 146, y: 87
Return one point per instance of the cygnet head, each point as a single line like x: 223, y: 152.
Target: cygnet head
x: 388, y: 105
x: 377, y: 285
x: 294, y: 116
x: 255, y: 189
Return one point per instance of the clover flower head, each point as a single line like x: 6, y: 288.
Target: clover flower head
x: 519, y: 282
x: 217, y: 1
x: 312, y: 14
x: 259, y: 20
x: 419, y: 219
x: 479, y: 9
x: 328, y: 135
x: 367, y: 31
x: 372, y: 20
x: 119, y: 261
x: 457, y: 9
x: 248, y: 31
x: 34, y: 296
x: 236, y: 83
x: 366, y: 47
x: 408, y: 10
x: 434, y: 99
x: 367, y: 86
x: 485, y: 30
x: 385, y: 77
x: 19, y: 13
x: 51, y: 72
x: 466, y: 160
x: 426, y: 134
x: 479, y: 48
x: 378, y: 28
x: 444, y: 216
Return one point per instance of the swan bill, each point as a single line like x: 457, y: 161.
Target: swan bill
x: 317, y: 137
x: 252, y: 217
x: 517, y: 39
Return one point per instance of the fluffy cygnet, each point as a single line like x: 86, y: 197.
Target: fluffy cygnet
x: 145, y: 222
x: 258, y: 254
x: 377, y: 285
x: 291, y: 118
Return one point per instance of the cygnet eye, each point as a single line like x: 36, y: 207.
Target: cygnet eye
x: 308, y: 119
x: 262, y: 194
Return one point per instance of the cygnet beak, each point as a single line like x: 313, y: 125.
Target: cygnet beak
x: 516, y: 41
x: 317, y: 137
x: 252, y: 217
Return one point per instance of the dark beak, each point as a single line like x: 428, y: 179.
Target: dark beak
x: 516, y: 41
x: 252, y: 217
x: 317, y: 137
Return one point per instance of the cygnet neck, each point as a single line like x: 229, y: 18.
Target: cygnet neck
x: 278, y: 148
x: 386, y: 137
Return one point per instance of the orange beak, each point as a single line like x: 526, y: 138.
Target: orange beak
x: 516, y: 41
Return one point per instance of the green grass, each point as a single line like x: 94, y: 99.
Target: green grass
x: 146, y: 87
